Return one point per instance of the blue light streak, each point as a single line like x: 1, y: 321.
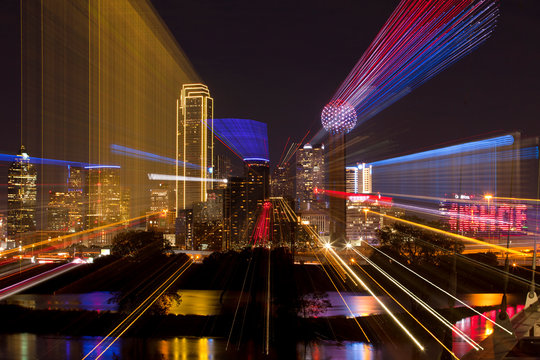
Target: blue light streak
x: 39, y: 161
x: 122, y: 150
x: 492, y: 143
x: 248, y: 138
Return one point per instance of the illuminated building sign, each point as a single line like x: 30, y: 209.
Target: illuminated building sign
x: 484, y: 218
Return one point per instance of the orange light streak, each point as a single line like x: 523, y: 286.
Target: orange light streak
x: 457, y: 236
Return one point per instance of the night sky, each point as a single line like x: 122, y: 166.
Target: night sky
x: 281, y: 61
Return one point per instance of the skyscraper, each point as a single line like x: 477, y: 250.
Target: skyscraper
x: 309, y: 174
x: 358, y: 179
x: 194, y: 144
x: 235, y: 211
x: 22, y: 191
x: 257, y: 174
x: 108, y: 201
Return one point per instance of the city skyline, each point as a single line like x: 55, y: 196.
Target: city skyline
x: 288, y: 179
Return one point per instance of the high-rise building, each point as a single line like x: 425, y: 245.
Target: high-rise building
x: 257, y: 174
x: 75, y: 198
x: 195, y: 144
x: 161, y: 198
x: 208, y: 221
x: 236, y: 211
x: 309, y: 174
x: 282, y: 182
x: 358, y: 179
x: 22, y: 191
x: 58, y: 211
x: 108, y: 201
x: 66, y: 209
x: 222, y: 170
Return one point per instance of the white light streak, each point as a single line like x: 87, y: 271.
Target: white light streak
x: 165, y: 177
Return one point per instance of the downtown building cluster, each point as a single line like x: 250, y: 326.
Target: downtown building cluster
x: 214, y: 210
x: 90, y: 197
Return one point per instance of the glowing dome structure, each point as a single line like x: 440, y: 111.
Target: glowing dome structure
x: 338, y: 117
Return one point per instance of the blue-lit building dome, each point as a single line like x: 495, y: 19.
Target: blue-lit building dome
x: 338, y: 117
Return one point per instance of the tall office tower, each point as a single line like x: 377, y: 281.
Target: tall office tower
x: 161, y: 198
x: 309, y: 174
x: 22, y: 191
x: 75, y: 198
x: 222, y: 170
x: 358, y: 179
x: 338, y: 117
x: 161, y: 216
x: 236, y: 212
x: 194, y: 144
x: 257, y: 174
x: 282, y: 182
x: 58, y: 211
x: 208, y: 221
x: 108, y: 202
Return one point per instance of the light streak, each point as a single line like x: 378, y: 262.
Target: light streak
x: 388, y: 311
x: 515, y: 199
x: 457, y: 236
x: 102, y: 167
x: 123, y: 150
x: 36, y: 160
x: 419, y: 40
x: 65, y: 237
x: 487, y: 144
x: 245, y: 137
x: 353, y: 274
x: 408, y: 312
x: 440, y: 289
x: 162, y: 288
x: 422, y: 303
x: 182, y: 178
x: 34, y: 280
x: 341, y: 296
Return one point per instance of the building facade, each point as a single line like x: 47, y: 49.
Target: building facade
x: 359, y: 179
x: 194, y: 145
x: 22, y: 194
x: 310, y: 175
x: 108, y: 201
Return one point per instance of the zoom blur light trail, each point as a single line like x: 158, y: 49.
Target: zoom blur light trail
x: 457, y: 236
x: 166, y: 177
x: 88, y: 231
x: 419, y: 40
x: 245, y: 137
x: 121, y: 328
x: 353, y: 274
x: 422, y: 303
x: 440, y: 289
x: 122, y: 150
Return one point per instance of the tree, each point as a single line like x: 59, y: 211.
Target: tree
x: 135, y: 243
x: 416, y: 245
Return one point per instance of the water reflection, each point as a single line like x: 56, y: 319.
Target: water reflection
x: 214, y: 302
x: 93, y: 301
x: 364, y: 305
x: 478, y: 328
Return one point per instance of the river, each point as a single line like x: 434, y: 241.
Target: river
x: 195, y: 302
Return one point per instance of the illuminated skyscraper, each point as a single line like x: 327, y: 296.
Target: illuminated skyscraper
x: 76, y: 193
x: 22, y: 191
x: 309, y: 174
x: 235, y: 211
x: 108, y: 202
x: 358, y: 179
x: 257, y: 174
x: 195, y: 144
x: 58, y: 211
